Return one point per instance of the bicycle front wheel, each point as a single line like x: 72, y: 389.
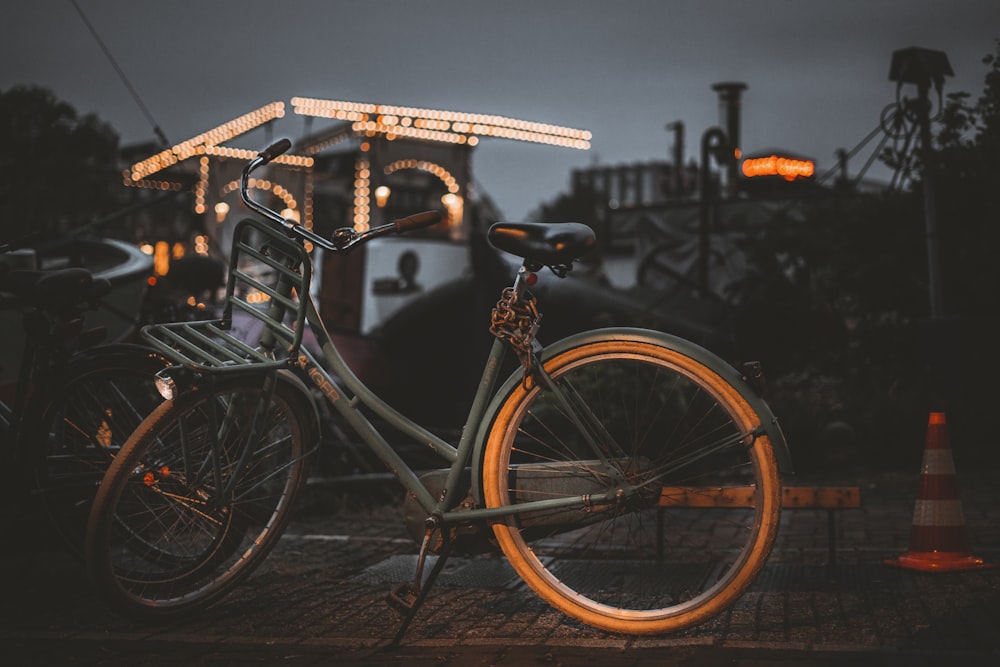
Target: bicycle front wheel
x: 198, y: 496
x: 663, y: 489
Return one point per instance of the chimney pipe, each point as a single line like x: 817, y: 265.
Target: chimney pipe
x: 730, y: 94
x: 678, y: 184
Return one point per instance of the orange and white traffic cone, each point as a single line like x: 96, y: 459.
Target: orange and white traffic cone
x: 939, y: 541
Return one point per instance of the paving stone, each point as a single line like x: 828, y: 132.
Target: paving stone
x: 322, y: 592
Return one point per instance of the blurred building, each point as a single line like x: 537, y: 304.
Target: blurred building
x: 669, y: 225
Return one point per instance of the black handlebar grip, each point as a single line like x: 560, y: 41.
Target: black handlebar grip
x: 417, y: 221
x: 275, y: 149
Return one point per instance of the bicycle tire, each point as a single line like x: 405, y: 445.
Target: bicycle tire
x: 163, y: 539
x: 94, y: 405
x: 651, y: 560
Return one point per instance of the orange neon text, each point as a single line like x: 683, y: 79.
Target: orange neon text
x: 787, y: 168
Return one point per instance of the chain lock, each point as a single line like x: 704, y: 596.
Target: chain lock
x: 515, y: 321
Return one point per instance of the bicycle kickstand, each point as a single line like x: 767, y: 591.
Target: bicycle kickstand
x: 408, y: 596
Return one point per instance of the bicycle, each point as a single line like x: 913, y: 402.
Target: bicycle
x: 605, y: 468
x: 74, y: 403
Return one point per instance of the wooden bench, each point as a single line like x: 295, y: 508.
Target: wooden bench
x: 830, y: 498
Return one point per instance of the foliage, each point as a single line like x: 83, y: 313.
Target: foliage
x: 829, y: 307
x: 57, y: 169
x: 838, y: 304
x: 968, y: 172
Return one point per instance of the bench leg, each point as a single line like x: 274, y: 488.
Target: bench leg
x: 659, y: 534
x: 831, y: 537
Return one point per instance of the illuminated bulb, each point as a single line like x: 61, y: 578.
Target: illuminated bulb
x: 221, y: 209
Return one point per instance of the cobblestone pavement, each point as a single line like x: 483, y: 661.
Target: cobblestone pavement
x: 320, y: 599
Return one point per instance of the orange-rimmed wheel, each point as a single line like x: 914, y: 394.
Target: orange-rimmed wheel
x: 680, y: 487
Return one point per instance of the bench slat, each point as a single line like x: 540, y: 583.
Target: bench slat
x: 805, y: 497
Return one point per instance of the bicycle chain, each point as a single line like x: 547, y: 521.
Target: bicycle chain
x: 515, y: 321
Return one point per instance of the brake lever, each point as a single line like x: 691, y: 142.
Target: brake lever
x: 346, y: 237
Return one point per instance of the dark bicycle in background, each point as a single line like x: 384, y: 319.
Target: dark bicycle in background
x: 74, y: 400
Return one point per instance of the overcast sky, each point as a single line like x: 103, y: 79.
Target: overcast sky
x: 817, y: 72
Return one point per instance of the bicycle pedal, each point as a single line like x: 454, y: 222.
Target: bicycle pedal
x: 402, y: 597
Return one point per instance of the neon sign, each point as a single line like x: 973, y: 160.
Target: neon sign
x: 775, y: 165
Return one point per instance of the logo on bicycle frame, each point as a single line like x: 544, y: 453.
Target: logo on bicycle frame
x: 321, y: 382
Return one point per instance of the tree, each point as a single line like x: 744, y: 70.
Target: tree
x: 968, y: 171
x: 57, y: 169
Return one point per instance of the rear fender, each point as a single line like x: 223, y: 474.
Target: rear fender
x: 739, y: 380
x: 99, y: 356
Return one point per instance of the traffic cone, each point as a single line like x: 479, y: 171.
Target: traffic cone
x: 939, y: 541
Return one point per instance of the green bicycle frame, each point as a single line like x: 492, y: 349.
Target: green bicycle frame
x: 196, y: 346
x: 461, y: 458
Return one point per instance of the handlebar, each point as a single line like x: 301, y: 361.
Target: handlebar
x: 343, y: 238
x: 274, y: 150
x: 417, y: 221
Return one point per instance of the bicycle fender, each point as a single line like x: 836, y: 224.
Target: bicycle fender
x: 95, y: 355
x: 727, y: 371
x: 306, y: 411
x: 311, y: 416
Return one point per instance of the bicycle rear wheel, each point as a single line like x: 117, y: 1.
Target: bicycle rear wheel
x: 198, y: 496
x: 96, y: 403
x: 680, y: 487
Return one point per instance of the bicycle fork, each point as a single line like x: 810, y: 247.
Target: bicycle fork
x: 211, y: 482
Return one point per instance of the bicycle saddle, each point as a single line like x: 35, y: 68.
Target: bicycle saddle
x: 547, y: 243
x: 52, y: 288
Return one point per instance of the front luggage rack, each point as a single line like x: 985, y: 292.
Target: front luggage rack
x: 274, y: 332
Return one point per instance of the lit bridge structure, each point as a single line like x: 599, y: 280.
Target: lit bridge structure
x: 374, y: 145
x: 369, y: 164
